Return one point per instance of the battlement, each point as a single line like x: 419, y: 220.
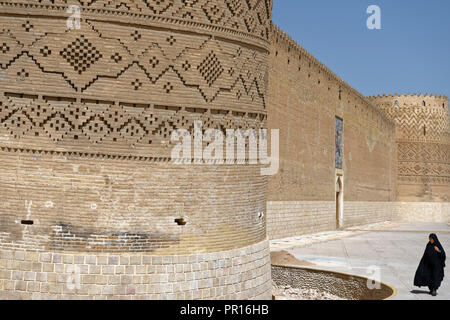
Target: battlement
x: 414, y: 95
x: 414, y: 100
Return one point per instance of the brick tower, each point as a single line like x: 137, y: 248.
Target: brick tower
x: 90, y: 94
x: 423, y: 140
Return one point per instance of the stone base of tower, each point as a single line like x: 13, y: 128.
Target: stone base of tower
x: 238, y: 274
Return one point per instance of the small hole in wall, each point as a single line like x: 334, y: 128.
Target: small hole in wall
x: 180, y: 221
x: 27, y: 222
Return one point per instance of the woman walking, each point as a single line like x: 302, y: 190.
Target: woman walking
x: 431, y: 268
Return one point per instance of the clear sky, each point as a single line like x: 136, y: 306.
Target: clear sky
x: 410, y: 54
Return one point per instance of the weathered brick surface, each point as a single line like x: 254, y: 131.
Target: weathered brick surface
x: 292, y: 218
x: 392, y: 152
x: 86, y: 121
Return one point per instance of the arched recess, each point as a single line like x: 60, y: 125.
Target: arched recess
x: 339, y: 202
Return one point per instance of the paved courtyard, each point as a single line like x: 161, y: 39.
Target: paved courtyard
x: 395, y: 248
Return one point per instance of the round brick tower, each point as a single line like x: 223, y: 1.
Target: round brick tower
x: 423, y: 141
x: 92, y: 205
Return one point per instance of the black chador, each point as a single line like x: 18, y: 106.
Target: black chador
x: 431, y: 268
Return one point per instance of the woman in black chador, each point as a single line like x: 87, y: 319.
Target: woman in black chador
x: 431, y: 268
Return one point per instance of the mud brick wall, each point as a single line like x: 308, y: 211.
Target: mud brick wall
x: 86, y: 117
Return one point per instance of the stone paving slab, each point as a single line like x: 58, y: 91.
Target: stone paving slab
x: 394, y: 248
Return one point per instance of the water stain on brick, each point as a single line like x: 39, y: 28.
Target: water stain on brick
x: 67, y: 237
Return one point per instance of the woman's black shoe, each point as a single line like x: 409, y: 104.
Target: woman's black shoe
x: 434, y: 293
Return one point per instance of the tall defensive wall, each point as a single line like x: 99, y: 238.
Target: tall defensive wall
x: 338, y: 158
x: 423, y: 141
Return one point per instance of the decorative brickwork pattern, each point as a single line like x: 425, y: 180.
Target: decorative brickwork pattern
x: 114, y: 92
x: 108, y: 205
x: 423, y: 139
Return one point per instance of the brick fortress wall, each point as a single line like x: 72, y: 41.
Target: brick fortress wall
x: 86, y: 118
x: 304, y: 98
x: 423, y: 139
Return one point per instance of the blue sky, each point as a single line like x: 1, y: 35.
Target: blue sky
x: 410, y: 54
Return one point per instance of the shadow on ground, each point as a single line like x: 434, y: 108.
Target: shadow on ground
x: 420, y: 292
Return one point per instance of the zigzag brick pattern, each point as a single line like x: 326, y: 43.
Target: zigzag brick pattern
x: 86, y: 118
x: 423, y: 140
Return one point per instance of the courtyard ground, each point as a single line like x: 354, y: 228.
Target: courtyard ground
x: 394, y: 248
